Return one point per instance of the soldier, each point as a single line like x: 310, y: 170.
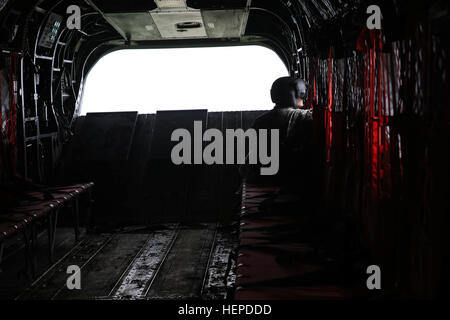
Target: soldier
x: 295, y: 125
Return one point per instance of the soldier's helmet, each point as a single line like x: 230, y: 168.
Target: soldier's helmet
x: 286, y: 91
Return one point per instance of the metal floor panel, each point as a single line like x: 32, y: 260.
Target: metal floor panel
x: 100, y: 275
x: 54, y: 279
x: 138, y: 276
x: 182, y: 273
x: 164, y: 262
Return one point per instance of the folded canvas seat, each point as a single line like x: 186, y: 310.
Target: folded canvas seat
x: 39, y: 204
x: 8, y: 229
x: 272, y: 236
x: 57, y: 196
x: 253, y: 201
x: 17, y: 218
x: 249, y: 211
x: 261, y: 188
x: 281, y: 252
x: 259, y: 194
x: 281, y: 246
x: 48, y: 196
x: 293, y: 293
x: 251, y: 205
x: 78, y: 188
x: 272, y: 207
x: 271, y: 267
x: 266, y: 222
x: 246, y: 241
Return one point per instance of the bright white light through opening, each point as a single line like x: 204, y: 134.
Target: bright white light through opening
x: 217, y: 79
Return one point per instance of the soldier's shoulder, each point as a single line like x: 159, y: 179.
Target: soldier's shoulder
x: 304, y: 114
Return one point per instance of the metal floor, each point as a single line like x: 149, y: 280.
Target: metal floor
x: 163, y: 262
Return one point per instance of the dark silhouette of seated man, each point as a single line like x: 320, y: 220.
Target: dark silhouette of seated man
x: 295, y: 124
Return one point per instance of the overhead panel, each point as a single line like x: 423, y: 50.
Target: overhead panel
x: 173, y: 19
x: 176, y: 21
x: 138, y: 26
x: 171, y: 4
x: 217, y: 4
x: 224, y: 23
x: 180, y: 24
